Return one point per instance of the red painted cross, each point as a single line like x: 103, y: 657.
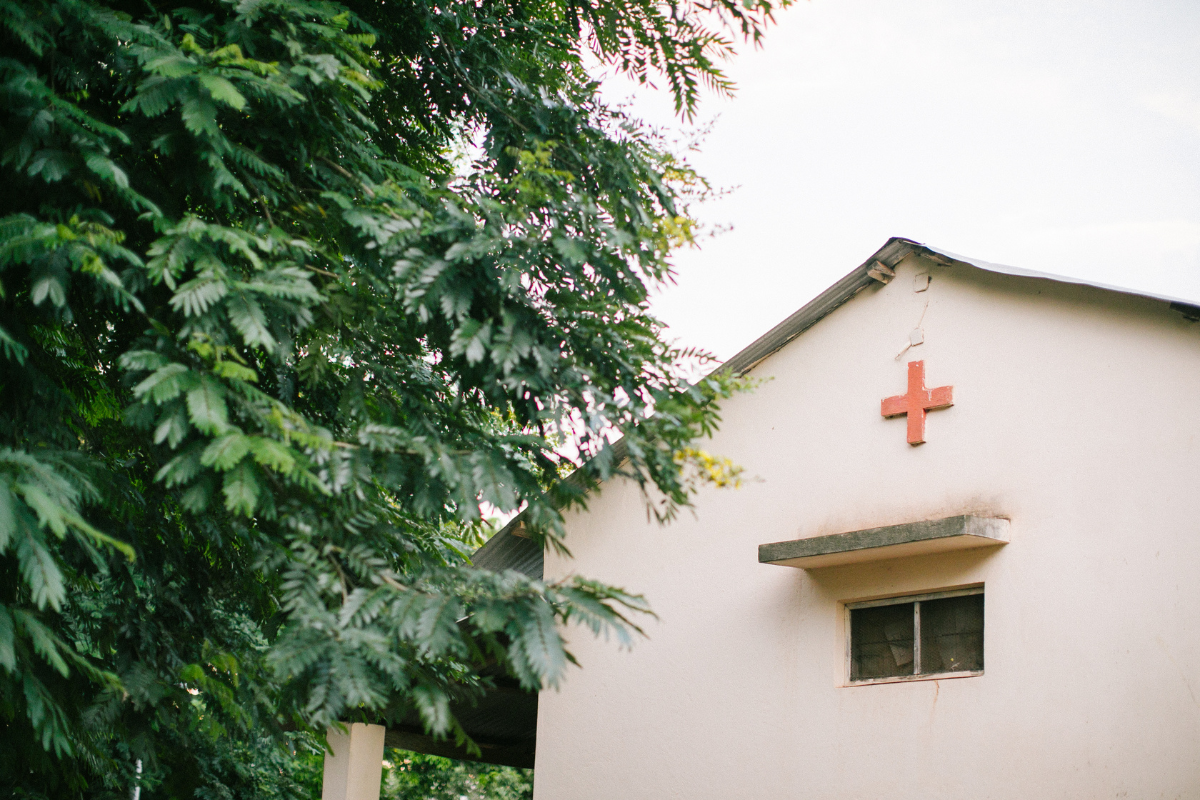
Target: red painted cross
x: 917, y: 402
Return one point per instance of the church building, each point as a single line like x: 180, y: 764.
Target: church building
x: 965, y: 561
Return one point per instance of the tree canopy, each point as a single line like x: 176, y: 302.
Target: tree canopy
x: 289, y: 290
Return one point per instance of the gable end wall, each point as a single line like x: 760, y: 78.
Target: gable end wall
x: 1074, y: 417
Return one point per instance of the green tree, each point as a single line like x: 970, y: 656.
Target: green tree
x: 288, y: 290
x: 413, y: 776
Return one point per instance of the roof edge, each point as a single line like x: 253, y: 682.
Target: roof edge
x: 891, y: 254
x: 820, y: 306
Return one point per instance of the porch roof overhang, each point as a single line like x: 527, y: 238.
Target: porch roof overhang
x: 502, y: 723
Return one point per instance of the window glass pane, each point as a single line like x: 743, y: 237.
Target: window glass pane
x: 881, y: 641
x: 952, y: 634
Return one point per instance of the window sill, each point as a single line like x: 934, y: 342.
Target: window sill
x: 935, y: 676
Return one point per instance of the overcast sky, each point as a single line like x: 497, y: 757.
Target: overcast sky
x: 1057, y: 136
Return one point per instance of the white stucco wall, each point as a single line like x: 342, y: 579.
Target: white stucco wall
x: 1075, y: 416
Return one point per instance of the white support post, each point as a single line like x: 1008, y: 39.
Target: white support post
x: 355, y: 768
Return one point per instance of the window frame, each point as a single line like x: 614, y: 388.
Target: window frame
x: 915, y: 599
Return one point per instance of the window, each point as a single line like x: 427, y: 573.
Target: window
x: 916, y: 637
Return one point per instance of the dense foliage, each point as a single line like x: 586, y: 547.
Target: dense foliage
x: 289, y: 289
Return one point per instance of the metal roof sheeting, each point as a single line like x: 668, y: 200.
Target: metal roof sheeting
x: 1019, y: 272
x: 506, y: 550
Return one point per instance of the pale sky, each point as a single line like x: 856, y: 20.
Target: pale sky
x: 1057, y: 136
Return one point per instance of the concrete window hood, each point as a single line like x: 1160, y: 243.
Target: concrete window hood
x: 892, y: 541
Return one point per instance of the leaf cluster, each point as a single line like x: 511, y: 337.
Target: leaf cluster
x: 269, y: 341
